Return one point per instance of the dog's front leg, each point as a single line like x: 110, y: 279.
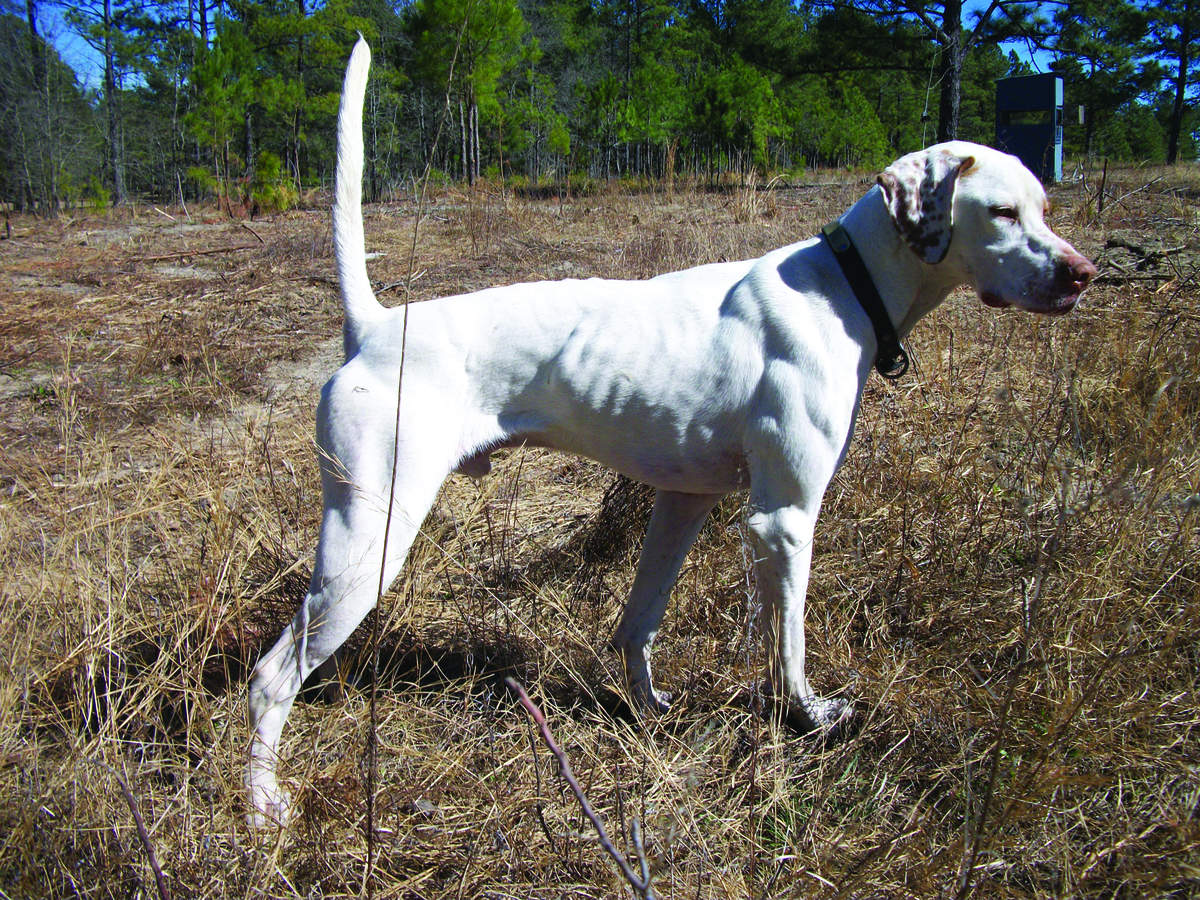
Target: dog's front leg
x: 674, y: 524
x: 782, y: 537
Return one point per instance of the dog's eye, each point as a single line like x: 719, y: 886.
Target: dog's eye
x: 1004, y: 212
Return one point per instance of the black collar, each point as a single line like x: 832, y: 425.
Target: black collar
x: 891, y: 360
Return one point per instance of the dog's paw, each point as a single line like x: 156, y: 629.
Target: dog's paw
x: 270, y: 807
x: 829, y: 717
x: 826, y: 718
x: 647, y: 698
x: 661, y: 702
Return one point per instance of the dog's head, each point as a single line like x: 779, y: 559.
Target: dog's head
x: 982, y: 213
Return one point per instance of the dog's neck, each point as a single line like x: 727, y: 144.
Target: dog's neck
x: 909, y: 287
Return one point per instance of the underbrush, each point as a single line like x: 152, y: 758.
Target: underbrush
x: 1005, y: 581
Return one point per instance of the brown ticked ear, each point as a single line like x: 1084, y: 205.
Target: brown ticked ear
x: 919, y: 192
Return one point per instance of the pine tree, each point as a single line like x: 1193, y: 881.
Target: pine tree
x: 468, y: 45
x: 943, y: 23
x: 1175, y: 29
x: 1096, y: 44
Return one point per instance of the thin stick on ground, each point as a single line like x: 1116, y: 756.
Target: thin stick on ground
x: 641, y: 885
x: 183, y: 254
x: 160, y: 881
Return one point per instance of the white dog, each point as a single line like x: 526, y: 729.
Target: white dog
x: 723, y: 377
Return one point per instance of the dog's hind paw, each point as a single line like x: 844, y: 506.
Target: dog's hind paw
x: 661, y: 702
x: 270, y: 807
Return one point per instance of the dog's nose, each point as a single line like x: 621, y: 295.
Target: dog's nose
x: 1083, y: 271
x: 1075, y: 272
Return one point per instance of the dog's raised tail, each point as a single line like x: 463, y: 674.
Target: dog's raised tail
x: 349, y: 247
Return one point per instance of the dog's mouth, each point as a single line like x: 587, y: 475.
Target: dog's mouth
x: 1056, y: 296
x: 1060, y: 306
x: 1045, y: 305
x: 1055, y: 299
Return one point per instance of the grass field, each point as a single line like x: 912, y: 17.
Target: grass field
x: 1006, y: 580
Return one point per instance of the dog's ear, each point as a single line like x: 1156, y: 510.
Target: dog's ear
x: 919, y: 192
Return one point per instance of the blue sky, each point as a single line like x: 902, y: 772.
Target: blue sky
x: 71, y: 47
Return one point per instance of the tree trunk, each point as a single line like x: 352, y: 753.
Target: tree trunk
x: 298, y: 116
x: 474, y: 141
x: 202, y: 15
x: 1089, y: 124
x: 531, y: 154
x: 41, y: 79
x: 951, y: 71
x: 372, y: 147
x: 462, y: 132
x: 474, y: 115
x: 248, y: 145
x: 116, y: 158
x: 36, y: 50
x: 1181, y: 82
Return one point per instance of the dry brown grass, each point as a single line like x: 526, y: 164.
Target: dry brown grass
x: 1006, y: 579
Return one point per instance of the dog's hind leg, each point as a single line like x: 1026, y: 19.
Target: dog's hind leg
x: 345, y: 585
x: 674, y: 524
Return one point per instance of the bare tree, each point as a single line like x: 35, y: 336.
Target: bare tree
x: 47, y: 150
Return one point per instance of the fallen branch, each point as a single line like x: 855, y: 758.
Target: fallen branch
x: 641, y: 886
x: 185, y: 253
x: 160, y: 880
x: 406, y: 283
x: 1147, y: 254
